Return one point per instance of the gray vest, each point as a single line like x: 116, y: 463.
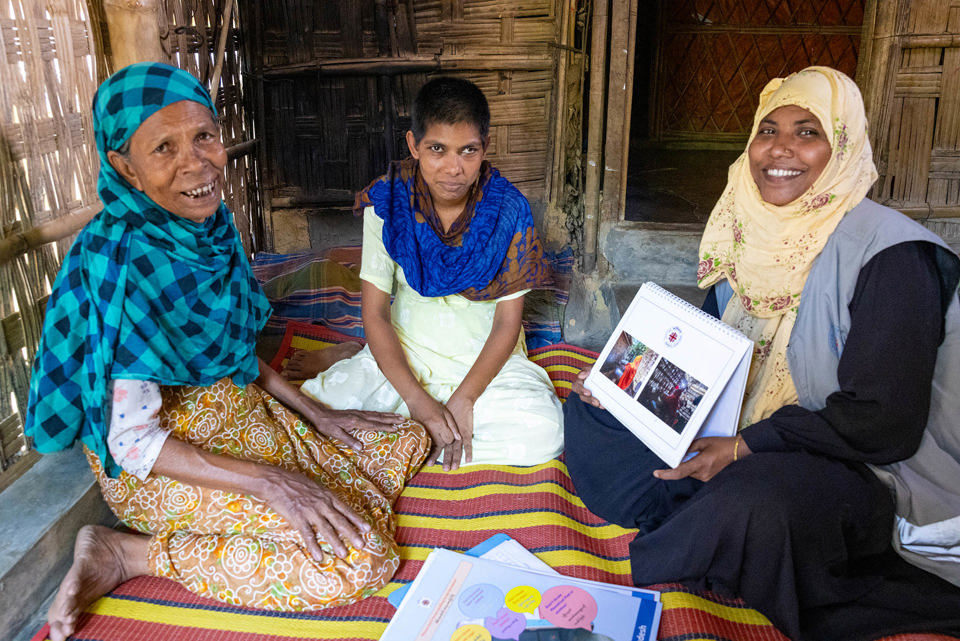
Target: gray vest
x: 926, y: 486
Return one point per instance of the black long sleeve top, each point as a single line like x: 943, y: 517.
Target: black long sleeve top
x: 885, y: 371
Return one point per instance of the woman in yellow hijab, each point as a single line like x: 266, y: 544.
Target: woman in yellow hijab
x: 848, y: 439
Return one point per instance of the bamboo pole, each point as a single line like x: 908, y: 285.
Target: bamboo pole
x: 253, y: 48
x: 618, y: 120
x: 560, y: 105
x: 134, y: 31
x: 413, y: 64
x: 21, y: 242
x: 381, y: 25
x: 242, y: 148
x: 628, y: 108
x: 591, y: 204
x: 949, y: 40
x: 221, y: 48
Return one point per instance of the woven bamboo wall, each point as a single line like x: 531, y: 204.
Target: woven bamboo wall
x: 189, y: 32
x: 915, y: 113
x: 48, y: 168
x: 519, y: 99
x: 337, y: 83
x: 715, y: 56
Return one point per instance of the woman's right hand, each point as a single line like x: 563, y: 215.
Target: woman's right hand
x: 309, y: 507
x: 313, y: 510
x: 442, y: 426
x: 578, y: 388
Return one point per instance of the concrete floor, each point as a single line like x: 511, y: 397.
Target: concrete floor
x: 35, y: 622
x: 40, y: 514
x: 675, y: 186
x: 682, y: 186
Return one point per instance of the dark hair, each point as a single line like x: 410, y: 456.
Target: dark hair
x: 449, y: 101
x: 124, y: 149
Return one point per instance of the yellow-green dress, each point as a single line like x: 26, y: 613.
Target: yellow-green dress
x: 517, y: 420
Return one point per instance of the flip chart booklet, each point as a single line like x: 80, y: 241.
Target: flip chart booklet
x: 458, y: 597
x: 671, y: 372
x: 501, y: 548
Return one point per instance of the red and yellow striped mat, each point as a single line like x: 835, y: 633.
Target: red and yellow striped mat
x: 537, y: 506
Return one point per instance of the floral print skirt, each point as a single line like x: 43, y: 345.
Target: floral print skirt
x: 235, y: 548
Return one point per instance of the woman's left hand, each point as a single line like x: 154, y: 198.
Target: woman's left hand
x: 715, y: 453
x: 461, y: 407
x: 339, y: 423
x: 578, y: 388
x: 330, y: 422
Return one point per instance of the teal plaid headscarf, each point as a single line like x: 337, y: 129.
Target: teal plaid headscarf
x: 143, y: 294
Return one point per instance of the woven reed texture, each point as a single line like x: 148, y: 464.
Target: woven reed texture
x: 715, y: 56
x: 916, y: 113
x: 189, y: 32
x: 338, y: 80
x: 48, y: 170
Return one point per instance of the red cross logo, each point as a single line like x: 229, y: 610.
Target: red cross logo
x: 673, y: 336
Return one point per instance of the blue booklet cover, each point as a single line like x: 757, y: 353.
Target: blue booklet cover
x: 456, y: 596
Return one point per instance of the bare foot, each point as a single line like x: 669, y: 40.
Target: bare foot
x: 306, y: 364
x: 102, y: 560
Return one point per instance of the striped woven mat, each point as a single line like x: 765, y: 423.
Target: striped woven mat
x: 325, y: 288
x: 536, y: 505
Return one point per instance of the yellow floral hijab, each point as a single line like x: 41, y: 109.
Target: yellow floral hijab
x: 765, y: 251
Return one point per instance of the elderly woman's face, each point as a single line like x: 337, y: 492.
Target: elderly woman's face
x: 788, y: 154
x: 176, y: 158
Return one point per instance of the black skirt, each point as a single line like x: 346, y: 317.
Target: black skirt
x: 803, y: 539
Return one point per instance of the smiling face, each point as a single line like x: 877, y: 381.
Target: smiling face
x: 450, y: 157
x: 176, y: 158
x: 788, y: 154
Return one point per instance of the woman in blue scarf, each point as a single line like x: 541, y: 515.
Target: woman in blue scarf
x: 452, y: 242
x: 150, y: 334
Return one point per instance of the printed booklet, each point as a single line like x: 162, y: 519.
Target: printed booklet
x: 500, y: 547
x: 457, y: 597
x: 671, y: 372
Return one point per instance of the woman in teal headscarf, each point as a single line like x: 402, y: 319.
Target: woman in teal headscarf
x: 150, y: 333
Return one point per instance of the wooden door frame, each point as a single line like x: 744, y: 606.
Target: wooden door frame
x: 873, y: 62
x: 621, y: 46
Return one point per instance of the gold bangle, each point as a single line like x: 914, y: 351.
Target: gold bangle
x: 736, y: 446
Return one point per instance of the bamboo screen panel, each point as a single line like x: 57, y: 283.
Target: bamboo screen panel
x: 330, y: 130
x: 189, y: 32
x: 520, y: 99
x: 48, y: 169
x: 715, y: 56
x: 918, y: 125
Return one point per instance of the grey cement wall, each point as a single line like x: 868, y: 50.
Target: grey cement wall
x: 663, y: 253
x: 40, y: 515
x: 636, y: 252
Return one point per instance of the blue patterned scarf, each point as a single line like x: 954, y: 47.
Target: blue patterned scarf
x: 143, y: 294
x: 490, y: 251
